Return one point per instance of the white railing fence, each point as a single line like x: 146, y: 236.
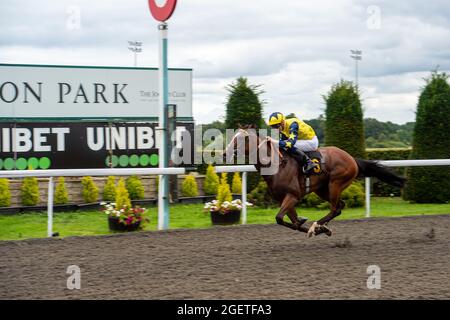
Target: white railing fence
x: 388, y: 163
x: 403, y: 163
x: 81, y: 173
x: 175, y: 171
x: 245, y: 169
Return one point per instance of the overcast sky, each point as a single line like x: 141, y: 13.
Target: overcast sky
x: 295, y: 49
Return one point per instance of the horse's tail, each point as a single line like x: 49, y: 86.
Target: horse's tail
x: 374, y: 169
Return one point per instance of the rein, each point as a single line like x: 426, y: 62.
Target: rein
x: 271, y: 144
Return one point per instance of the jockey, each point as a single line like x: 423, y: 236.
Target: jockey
x: 297, y: 137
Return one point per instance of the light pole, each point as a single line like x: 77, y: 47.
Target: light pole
x: 357, y: 56
x: 135, y: 47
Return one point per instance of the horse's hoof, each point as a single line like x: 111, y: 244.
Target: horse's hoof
x: 312, y: 230
x: 327, y: 231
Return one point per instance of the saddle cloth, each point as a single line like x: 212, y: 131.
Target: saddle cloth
x: 316, y: 157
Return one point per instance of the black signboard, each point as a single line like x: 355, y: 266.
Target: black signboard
x: 79, y: 145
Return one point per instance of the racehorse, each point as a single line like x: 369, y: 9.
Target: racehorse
x: 288, y: 185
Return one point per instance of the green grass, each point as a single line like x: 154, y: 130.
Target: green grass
x: 34, y: 225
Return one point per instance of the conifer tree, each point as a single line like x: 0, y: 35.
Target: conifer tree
x: 243, y: 106
x: 344, y: 119
x: 431, y: 140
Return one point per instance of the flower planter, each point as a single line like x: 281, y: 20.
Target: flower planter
x: 116, y: 225
x: 231, y: 217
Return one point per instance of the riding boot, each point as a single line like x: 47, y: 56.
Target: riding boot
x: 307, y: 164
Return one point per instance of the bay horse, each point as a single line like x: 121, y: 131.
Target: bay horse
x: 287, y: 186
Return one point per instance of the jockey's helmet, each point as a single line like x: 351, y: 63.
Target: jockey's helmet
x: 276, y: 118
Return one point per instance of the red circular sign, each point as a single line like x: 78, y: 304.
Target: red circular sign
x: 162, y: 13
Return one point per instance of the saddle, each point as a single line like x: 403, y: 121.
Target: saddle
x: 315, y: 157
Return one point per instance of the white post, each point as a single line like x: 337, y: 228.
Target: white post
x: 244, y: 197
x: 163, y: 196
x: 50, y: 208
x: 367, y: 197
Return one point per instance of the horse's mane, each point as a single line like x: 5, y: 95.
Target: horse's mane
x: 247, y: 126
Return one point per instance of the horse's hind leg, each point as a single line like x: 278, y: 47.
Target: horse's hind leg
x: 333, y: 195
x: 321, y: 225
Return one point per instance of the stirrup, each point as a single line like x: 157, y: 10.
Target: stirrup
x: 308, y: 168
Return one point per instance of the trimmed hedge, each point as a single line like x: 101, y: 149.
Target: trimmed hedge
x: 5, y: 193
x: 189, y: 186
x: 389, y: 153
x: 353, y: 197
x: 109, y: 189
x: 312, y: 200
x: 122, y: 195
x: 224, y: 192
x: 236, y: 185
x: 29, y: 192
x: 89, y: 190
x: 260, y: 196
x: 135, y: 188
x: 61, y: 196
x: 211, y: 184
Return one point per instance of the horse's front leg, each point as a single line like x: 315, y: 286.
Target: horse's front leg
x: 298, y: 221
x: 288, y: 207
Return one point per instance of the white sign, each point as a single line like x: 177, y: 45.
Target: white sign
x: 55, y: 92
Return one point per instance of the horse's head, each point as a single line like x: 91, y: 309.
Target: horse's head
x: 241, y: 143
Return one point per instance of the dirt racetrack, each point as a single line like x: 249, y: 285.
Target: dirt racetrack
x: 241, y: 262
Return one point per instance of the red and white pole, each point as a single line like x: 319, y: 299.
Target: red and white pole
x: 162, y: 14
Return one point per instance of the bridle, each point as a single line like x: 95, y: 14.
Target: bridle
x: 267, y: 139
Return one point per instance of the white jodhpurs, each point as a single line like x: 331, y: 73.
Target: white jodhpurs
x: 307, y: 145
